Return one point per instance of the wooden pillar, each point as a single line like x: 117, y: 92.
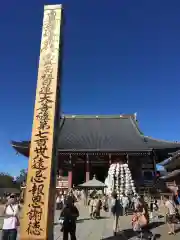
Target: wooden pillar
x: 70, y: 173
x: 87, y: 168
x: 127, y: 159
x: 154, y: 164
x: 110, y: 161
x: 38, y: 211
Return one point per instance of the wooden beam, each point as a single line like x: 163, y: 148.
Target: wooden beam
x: 38, y: 211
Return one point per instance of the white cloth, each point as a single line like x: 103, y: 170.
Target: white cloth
x: 171, y: 207
x: 11, y: 222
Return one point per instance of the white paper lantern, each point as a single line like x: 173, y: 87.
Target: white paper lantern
x: 120, y: 179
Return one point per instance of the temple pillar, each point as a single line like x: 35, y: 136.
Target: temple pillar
x: 110, y: 160
x: 154, y: 164
x: 127, y: 159
x: 70, y: 173
x: 70, y: 179
x: 87, y: 168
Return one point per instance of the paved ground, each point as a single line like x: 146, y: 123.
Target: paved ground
x: 101, y: 229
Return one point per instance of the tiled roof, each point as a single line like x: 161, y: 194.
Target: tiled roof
x: 101, y: 133
x: 94, y: 183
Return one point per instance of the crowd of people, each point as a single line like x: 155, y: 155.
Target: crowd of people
x: 141, y: 212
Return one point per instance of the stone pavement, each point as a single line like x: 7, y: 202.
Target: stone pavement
x: 101, y: 229
x: 88, y: 229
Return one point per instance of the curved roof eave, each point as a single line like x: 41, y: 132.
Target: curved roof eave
x: 161, y: 144
x: 172, y: 174
x: 20, y: 146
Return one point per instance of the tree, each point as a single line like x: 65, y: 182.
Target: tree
x: 7, y: 181
x: 22, y: 176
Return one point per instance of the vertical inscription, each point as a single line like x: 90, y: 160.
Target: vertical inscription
x: 35, y: 212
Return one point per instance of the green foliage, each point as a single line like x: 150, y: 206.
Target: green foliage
x: 7, y: 181
x: 22, y: 176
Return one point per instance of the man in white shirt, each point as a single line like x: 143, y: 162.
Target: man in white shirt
x: 171, y: 214
x: 11, y: 221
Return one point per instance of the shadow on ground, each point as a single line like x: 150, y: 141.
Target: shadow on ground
x: 85, y: 219
x: 155, y: 225
x: 129, y: 233
x: 177, y: 229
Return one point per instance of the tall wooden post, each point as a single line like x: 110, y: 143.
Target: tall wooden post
x: 38, y: 211
x: 70, y: 173
x: 87, y: 168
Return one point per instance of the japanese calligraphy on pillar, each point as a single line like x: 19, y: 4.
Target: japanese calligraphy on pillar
x: 37, y: 221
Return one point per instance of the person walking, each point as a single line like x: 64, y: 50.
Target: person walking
x: 93, y: 206
x: 170, y: 214
x: 58, y: 203
x: 105, y: 203
x: 151, y: 209
x: 69, y: 216
x: 116, y: 210
x: 98, y: 207
x: 11, y: 219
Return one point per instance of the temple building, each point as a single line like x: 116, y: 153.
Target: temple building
x: 172, y: 166
x: 89, y: 144
x: 173, y: 162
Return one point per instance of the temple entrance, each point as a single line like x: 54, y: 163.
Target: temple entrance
x: 79, y: 174
x: 100, y: 172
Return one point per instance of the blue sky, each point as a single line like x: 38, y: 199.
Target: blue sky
x: 119, y: 57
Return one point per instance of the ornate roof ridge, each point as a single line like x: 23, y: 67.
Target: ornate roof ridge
x: 100, y: 116
x: 136, y: 126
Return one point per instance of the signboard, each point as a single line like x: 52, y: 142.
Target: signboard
x: 38, y: 215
